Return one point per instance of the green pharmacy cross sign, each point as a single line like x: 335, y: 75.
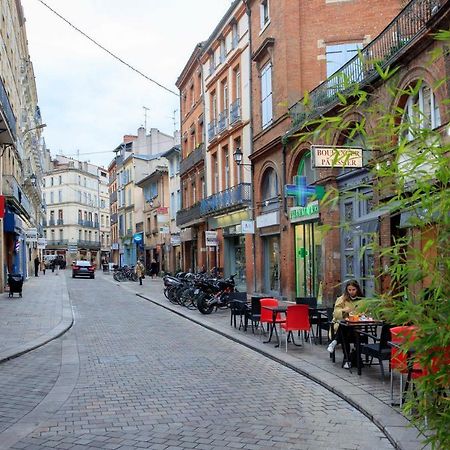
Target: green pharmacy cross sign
x: 301, y: 191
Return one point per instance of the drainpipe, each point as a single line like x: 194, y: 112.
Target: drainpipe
x: 252, y: 170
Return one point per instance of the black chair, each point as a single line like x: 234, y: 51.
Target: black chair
x: 254, y: 313
x: 238, y: 307
x: 379, y: 348
x: 314, y: 319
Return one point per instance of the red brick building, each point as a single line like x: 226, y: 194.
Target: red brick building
x: 295, y: 46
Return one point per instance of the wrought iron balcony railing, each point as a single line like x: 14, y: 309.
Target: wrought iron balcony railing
x: 7, y: 111
x: 60, y: 222
x: 222, y: 122
x: 230, y: 199
x: 113, y: 197
x: 113, y: 218
x: 406, y: 26
x: 212, y: 130
x: 192, y: 159
x: 57, y: 242
x: 189, y: 214
x: 14, y: 193
x: 88, y: 244
x: 235, y: 111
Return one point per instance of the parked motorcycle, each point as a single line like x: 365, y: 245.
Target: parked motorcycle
x: 213, y: 293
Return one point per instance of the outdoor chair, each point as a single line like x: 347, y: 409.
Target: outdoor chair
x: 267, y: 316
x: 238, y: 308
x: 254, y: 313
x: 314, y: 318
x: 297, y: 319
x: 379, y: 348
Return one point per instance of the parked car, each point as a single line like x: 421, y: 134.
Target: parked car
x: 83, y: 269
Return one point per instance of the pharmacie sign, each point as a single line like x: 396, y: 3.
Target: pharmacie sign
x: 325, y: 156
x: 304, y: 213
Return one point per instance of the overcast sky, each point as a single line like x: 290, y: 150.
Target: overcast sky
x: 88, y: 99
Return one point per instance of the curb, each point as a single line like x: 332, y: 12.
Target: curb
x: 387, y: 428
x: 67, y: 320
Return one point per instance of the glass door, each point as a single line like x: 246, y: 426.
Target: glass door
x: 308, y: 261
x: 272, y: 264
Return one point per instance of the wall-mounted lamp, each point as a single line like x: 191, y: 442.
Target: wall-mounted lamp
x: 42, y: 125
x: 33, y: 179
x: 238, y: 155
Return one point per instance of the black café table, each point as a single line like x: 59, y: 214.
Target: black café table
x: 357, y: 326
x: 281, y: 308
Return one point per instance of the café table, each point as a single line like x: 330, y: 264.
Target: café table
x: 357, y: 325
x: 280, y: 308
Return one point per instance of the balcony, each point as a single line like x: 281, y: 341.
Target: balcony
x: 80, y: 222
x: 384, y: 49
x: 189, y: 214
x: 235, y: 111
x: 212, y: 130
x: 7, y: 113
x: 60, y: 222
x: 57, y: 243
x: 234, y: 198
x: 222, y: 122
x: 96, y: 224
x: 15, y: 195
x: 192, y: 159
x: 51, y: 223
x: 88, y: 244
x: 113, y: 197
x: 113, y: 218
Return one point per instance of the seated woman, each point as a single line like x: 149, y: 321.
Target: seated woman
x: 345, y: 304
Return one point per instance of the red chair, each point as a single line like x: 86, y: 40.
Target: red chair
x: 297, y: 319
x: 267, y: 315
x: 399, y: 358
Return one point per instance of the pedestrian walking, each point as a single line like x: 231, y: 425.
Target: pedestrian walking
x: 43, y: 267
x: 140, y: 270
x: 153, y: 268
x: 52, y: 265
x: 36, y: 266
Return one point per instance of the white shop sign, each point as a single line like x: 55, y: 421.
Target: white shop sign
x: 267, y: 220
x: 324, y: 156
x: 211, y: 238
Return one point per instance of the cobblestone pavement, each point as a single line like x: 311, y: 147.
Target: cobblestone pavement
x: 134, y: 375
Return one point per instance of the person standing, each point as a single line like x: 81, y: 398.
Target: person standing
x: 43, y: 267
x: 153, y: 268
x: 36, y: 266
x: 140, y: 270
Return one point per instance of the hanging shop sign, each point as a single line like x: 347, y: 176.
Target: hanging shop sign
x: 31, y: 235
x: 348, y: 157
x: 211, y: 238
x: 164, y: 210
x: 164, y: 229
x: 115, y: 246
x: 304, y: 213
x: 248, y: 226
x: 138, y: 238
x: 175, y: 239
x: 41, y: 243
x: 72, y: 249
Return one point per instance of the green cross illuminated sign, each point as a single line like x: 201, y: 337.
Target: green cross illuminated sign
x: 301, y: 191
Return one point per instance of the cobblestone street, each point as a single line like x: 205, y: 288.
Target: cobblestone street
x: 134, y: 375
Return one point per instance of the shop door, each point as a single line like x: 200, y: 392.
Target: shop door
x: 271, y: 282
x: 308, y: 261
x: 358, y: 259
x: 235, y: 260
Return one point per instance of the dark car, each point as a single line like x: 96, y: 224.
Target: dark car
x: 83, y: 269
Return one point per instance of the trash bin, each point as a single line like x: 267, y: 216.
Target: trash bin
x: 15, y: 282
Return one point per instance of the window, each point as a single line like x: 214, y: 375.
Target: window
x: 212, y: 64
x: 264, y: 13
x: 227, y: 167
x: 266, y: 95
x: 52, y: 197
x: 225, y: 95
x: 235, y: 36
x: 421, y: 111
x: 59, y: 196
x: 237, y: 83
x: 51, y: 181
x: 60, y: 179
x: 222, y: 51
x: 339, y: 54
x: 270, y: 189
x: 172, y: 205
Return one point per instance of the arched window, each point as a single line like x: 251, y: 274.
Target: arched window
x: 270, y: 186
x: 420, y: 111
x: 305, y: 169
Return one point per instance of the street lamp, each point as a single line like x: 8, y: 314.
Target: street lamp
x: 42, y: 125
x: 238, y: 155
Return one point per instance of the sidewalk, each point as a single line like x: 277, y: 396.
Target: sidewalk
x: 44, y: 313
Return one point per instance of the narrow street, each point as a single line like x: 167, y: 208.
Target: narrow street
x: 130, y: 374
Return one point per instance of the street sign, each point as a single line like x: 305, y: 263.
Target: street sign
x: 248, y: 226
x: 72, y: 249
